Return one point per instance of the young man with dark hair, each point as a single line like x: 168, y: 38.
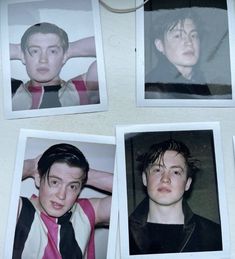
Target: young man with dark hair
x: 163, y: 222
x: 56, y: 223
x: 177, y: 35
x: 44, y: 50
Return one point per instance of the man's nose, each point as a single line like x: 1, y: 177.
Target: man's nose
x: 165, y: 177
x: 61, y: 193
x: 187, y: 39
x: 43, y: 57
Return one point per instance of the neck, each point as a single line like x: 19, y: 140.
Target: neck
x: 53, y: 82
x: 165, y: 214
x: 186, y: 72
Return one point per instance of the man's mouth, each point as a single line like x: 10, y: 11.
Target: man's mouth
x: 164, y: 189
x: 57, y: 206
x: 43, y: 70
x: 189, y: 53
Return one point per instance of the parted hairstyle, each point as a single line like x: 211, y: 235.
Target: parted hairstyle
x: 45, y: 28
x: 62, y: 153
x: 157, y: 151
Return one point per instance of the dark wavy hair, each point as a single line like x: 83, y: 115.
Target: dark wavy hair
x: 45, y: 28
x: 157, y: 151
x: 168, y: 19
x: 62, y: 153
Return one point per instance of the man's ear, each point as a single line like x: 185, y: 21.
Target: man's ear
x: 22, y: 57
x: 65, y: 57
x: 159, y: 45
x: 37, y: 179
x: 188, y: 184
x: 144, y: 179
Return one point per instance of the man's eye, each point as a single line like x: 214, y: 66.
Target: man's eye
x: 54, y: 182
x: 53, y: 51
x: 177, y: 36
x: 156, y: 169
x: 33, y: 51
x: 74, y: 187
x: 177, y: 172
x: 194, y: 35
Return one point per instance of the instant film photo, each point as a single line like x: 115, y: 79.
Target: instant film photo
x: 185, y: 53
x: 55, y: 210
x: 172, y: 200
x: 52, y: 58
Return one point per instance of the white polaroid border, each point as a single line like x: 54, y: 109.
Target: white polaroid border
x: 100, y: 152
x: 122, y: 188
x: 6, y: 65
x: 141, y: 101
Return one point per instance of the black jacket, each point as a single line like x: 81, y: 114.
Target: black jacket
x: 199, y: 234
x: 166, y: 82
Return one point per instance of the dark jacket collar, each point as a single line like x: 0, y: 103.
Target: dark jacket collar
x: 166, y: 72
x: 140, y: 214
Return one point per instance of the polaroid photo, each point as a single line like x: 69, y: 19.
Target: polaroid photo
x: 52, y: 58
x: 184, y: 53
x: 57, y: 207
x: 172, y: 200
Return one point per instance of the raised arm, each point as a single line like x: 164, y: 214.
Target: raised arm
x: 82, y: 48
x: 15, y: 52
x: 102, y: 206
x: 30, y: 167
x: 100, y: 180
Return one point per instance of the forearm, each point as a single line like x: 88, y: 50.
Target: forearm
x: 82, y: 48
x: 15, y: 52
x: 28, y: 168
x: 100, y: 180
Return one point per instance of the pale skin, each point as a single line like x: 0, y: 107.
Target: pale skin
x: 166, y: 182
x: 44, y: 59
x: 58, y: 195
x: 181, y: 46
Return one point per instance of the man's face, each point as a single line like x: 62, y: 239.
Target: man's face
x: 58, y: 194
x: 166, y: 179
x: 181, y: 44
x: 44, y: 58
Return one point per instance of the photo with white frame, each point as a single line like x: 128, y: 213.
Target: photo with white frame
x: 214, y: 66
x: 100, y: 154
x: 206, y: 195
x: 81, y: 20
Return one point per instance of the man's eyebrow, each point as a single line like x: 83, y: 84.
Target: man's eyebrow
x: 50, y: 46
x: 77, y: 180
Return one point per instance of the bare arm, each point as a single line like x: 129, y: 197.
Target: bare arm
x: 82, y: 48
x: 102, y: 206
x: 30, y: 167
x: 15, y: 52
x: 100, y: 180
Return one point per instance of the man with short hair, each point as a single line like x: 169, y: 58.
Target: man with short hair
x: 44, y: 50
x: 57, y: 223
x: 163, y: 222
x: 177, y: 36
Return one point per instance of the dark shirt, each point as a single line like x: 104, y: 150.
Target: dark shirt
x: 163, y: 238
x: 198, y: 234
x: 166, y: 82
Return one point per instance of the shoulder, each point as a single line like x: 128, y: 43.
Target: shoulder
x: 86, y: 206
x: 207, y: 224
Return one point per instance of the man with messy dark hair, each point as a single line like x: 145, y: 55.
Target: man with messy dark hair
x: 163, y: 222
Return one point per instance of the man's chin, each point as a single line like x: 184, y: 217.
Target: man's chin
x: 45, y: 82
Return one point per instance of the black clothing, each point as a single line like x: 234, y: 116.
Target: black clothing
x: 166, y: 82
x: 198, y: 234
x: 51, y: 97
